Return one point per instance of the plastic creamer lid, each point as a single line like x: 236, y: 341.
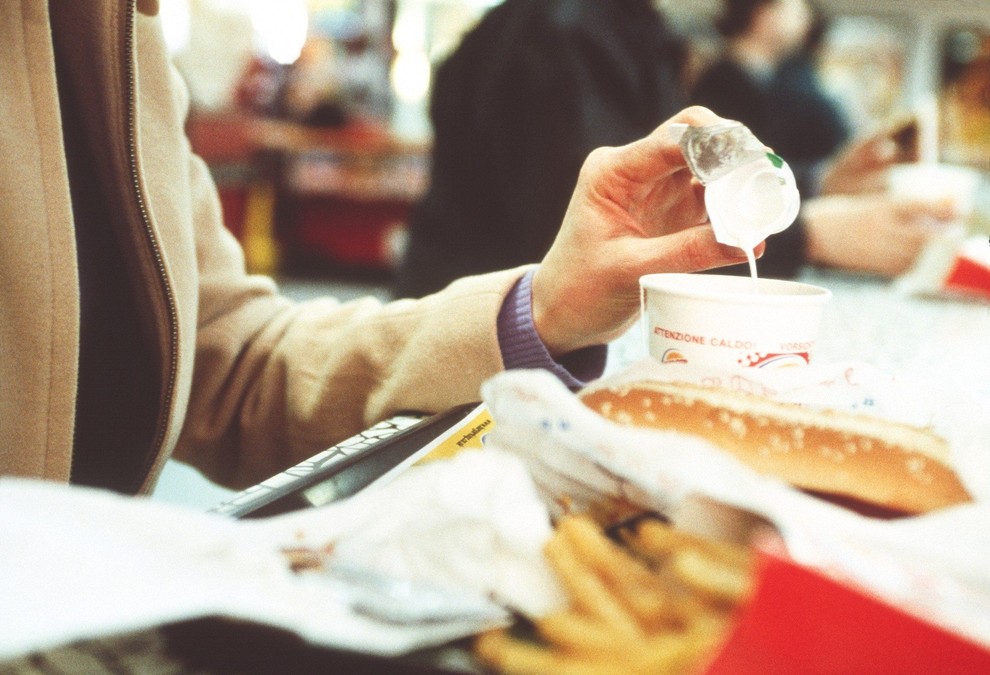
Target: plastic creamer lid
x: 750, y: 193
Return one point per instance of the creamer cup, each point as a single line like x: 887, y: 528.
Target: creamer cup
x: 716, y: 149
x: 751, y: 203
x: 719, y: 320
x: 750, y: 193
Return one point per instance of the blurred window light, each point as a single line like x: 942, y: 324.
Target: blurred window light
x: 410, y: 75
x: 410, y: 71
x: 409, y: 29
x: 175, y: 24
x: 280, y: 28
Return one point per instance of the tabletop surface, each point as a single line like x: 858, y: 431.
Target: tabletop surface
x: 869, y: 321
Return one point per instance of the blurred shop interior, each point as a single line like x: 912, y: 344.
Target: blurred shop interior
x: 312, y: 114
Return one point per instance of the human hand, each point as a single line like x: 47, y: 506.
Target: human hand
x: 637, y: 209
x: 861, y: 166
x: 877, y: 234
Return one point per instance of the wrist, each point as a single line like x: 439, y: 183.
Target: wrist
x: 523, y: 347
x: 549, y: 322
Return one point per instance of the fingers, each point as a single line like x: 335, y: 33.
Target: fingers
x: 693, y: 249
x: 876, y: 234
x: 673, y: 205
x: 659, y: 154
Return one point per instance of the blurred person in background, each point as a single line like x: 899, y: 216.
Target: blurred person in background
x: 530, y: 91
x: 536, y: 85
x: 132, y: 333
x: 767, y: 78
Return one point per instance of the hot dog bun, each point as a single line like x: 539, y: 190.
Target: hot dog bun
x: 858, y: 458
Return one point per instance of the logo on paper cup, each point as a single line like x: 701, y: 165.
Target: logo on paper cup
x: 673, y: 356
x: 763, y: 360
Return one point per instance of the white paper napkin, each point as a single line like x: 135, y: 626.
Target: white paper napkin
x: 78, y: 563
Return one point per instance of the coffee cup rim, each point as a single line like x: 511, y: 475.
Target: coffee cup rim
x: 726, y: 288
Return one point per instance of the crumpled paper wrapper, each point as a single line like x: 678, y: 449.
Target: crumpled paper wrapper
x: 472, y: 523
x: 77, y: 563
x: 932, y: 565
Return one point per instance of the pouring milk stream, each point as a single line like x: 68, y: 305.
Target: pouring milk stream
x: 750, y: 193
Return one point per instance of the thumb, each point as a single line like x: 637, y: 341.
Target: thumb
x: 660, y: 153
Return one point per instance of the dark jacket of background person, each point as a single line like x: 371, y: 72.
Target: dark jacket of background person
x: 813, y: 127
x: 788, y: 109
x: 530, y: 91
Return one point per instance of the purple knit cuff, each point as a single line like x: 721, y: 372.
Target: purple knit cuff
x: 522, y: 347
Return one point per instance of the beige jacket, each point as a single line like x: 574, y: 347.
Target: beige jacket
x: 253, y: 382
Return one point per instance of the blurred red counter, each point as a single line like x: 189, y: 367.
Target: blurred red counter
x: 339, y: 197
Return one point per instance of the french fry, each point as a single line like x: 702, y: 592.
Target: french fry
x: 652, y: 540
x: 587, y: 590
x: 656, y: 541
x: 600, y: 553
x: 673, y: 653
x: 661, y: 602
x: 579, y: 634
x: 516, y: 657
x: 637, y: 587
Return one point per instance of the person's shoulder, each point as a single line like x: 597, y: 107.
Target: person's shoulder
x: 520, y: 30
x: 504, y: 28
x: 598, y: 18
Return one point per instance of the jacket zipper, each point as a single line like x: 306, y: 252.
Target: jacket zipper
x: 152, y: 239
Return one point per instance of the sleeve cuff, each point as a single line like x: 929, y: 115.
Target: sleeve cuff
x: 522, y: 347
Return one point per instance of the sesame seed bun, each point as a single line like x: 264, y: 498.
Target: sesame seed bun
x: 885, y: 467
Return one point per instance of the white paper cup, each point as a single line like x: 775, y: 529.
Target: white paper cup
x: 719, y: 320
x: 936, y: 181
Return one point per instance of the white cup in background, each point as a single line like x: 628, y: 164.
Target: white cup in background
x: 719, y: 320
x: 931, y: 180
x: 936, y: 181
